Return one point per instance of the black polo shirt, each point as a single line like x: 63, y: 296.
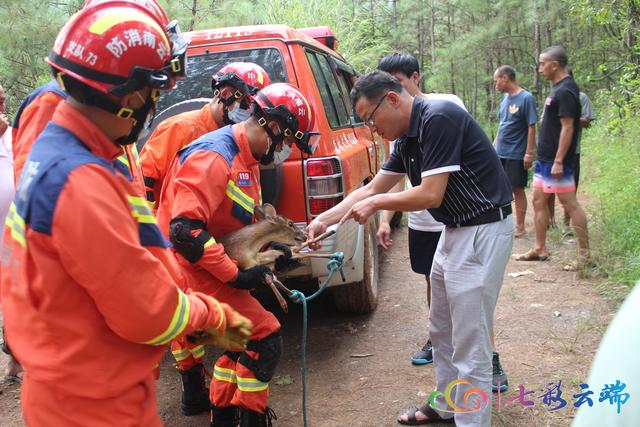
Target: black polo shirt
x: 443, y: 138
x: 563, y: 101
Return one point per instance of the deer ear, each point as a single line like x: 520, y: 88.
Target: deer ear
x: 259, y: 213
x: 269, y: 210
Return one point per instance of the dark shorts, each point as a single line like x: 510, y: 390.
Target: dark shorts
x: 516, y: 172
x: 422, y: 248
x: 576, y: 173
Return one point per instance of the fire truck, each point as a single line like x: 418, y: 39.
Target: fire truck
x: 347, y: 156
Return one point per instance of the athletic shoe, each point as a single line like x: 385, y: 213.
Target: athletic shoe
x: 423, y: 356
x: 500, y: 381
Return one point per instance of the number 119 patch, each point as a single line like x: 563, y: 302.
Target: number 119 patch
x: 244, y: 179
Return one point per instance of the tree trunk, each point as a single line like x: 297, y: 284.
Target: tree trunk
x: 488, y: 87
x: 474, y: 103
x: 373, y: 21
x: 194, y: 11
x: 547, y: 25
x: 421, y: 34
x: 394, y: 16
x: 451, y: 40
x: 432, y: 35
x: 536, y: 47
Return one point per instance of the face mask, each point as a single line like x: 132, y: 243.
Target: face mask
x: 144, y: 133
x: 267, y: 158
x: 280, y: 156
x: 143, y: 117
x: 237, y: 114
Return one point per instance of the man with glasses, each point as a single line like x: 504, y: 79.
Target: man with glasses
x: 456, y: 174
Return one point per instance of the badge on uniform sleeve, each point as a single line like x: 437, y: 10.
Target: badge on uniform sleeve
x: 244, y: 179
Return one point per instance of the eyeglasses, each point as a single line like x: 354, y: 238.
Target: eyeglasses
x: 369, y: 121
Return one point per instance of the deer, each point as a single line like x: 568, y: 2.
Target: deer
x: 249, y: 245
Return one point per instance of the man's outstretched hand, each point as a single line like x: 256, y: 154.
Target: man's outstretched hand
x: 361, y: 211
x: 314, y: 229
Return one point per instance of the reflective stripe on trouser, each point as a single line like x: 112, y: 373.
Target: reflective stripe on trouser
x: 187, y: 354
x: 44, y: 405
x: 466, y: 278
x: 233, y: 384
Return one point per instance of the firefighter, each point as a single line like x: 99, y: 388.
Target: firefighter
x: 233, y: 86
x: 210, y: 190
x: 87, y: 308
x: 37, y: 109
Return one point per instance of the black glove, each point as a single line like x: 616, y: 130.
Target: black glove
x: 284, y: 261
x: 251, y: 278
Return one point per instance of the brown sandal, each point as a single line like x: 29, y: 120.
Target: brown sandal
x: 531, y: 256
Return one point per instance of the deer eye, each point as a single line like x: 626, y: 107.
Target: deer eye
x: 291, y: 224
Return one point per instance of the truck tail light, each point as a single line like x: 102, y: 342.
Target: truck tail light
x: 324, y: 184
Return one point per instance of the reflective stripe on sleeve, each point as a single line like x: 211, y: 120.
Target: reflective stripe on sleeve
x: 178, y: 322
x: 140, y: 210
x: 251, y: 385
x: 198, y: 352
x: 224, y: 374
x: 17, y: 225
x: 181, y: 354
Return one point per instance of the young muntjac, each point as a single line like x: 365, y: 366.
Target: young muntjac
x: 247, y: 245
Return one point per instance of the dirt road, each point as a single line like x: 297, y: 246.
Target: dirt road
x: 548, y: 325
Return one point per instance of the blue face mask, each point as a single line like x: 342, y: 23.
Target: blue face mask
x: 238, y: 114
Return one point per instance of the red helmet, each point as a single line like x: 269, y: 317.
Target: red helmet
x: 178, y: 43
x: 114, y: 49
x: 151, y: 6
x: 246, y: 77
x: 286, y: 103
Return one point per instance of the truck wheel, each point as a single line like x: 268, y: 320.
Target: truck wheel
x: 362, y: 297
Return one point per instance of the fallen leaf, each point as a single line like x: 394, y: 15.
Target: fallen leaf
x: 361, y: 355
x: 556, y: 313
x: 284, y: 380
x: 520, y: 273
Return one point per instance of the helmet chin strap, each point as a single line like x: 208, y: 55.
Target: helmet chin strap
x: 276, y: 140
x: 139, y: 117
x: 226, y: 102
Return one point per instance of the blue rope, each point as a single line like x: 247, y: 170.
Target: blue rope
x: 335, y: 264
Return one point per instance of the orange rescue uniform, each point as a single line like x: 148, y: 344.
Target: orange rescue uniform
x: 165, y: 141
x: 32, y: 117
x: 216, y: 180
x: 155, y: 158
x: 87, y: 308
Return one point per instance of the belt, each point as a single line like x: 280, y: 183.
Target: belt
x: 497, y: 214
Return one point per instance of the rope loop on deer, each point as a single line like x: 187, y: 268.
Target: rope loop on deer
x: 334, y: 264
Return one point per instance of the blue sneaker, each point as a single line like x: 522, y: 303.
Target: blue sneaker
x: 423, y: 356
x: 500, y: 381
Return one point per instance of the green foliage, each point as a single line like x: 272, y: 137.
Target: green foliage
x: 459, y: 43
x: 29, y: 28
x: 611, y: 160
